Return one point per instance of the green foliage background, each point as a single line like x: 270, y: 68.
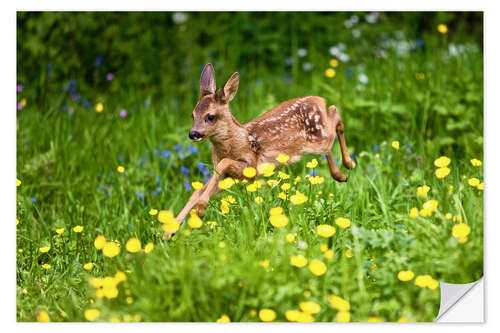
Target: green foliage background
x: 423, y: 89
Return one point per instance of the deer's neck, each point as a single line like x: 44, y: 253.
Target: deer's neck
x: 230, y: 136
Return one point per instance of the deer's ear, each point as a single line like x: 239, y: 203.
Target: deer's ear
x: 226, y: 93
x: 207, y: 80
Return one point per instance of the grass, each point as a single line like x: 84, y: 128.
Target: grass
x: 67, y: 163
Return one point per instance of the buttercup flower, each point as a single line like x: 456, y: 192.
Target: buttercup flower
x: 153, y: 212
x: 422, y: 191
x: 282, y: 195
x: 92, y: 314
x: 267, y: 315
x: 475, y: 162
x: 283, y: 175
x: 343, y: 222
x: 88, y: 266
x: 290, y: 238
x: 282, y: 158
x: 223, y: 319
x: 298, y: 261
x: 46, y: 266
x: 339, y: 303
x: 480, y: 186
x: 43, y: 317
x: 413, y: 212
x: 166, y: 216
x: 266, y: 169
x: 325, y: 230
x: 395, y: 145
x: 298, y: 198
x: 317, y: 267
x: 292, y: 315
x: 99, y: 107
x: 343, y: 316
x: 195, y: 222
x: 349, y: 254
x: 224, y: 207
x: 310, y: 307
x: 111, y: 250
x: 405, y: 275
x: 374, y: 320
x: 18, y: 182
x: 442, y: 172
x: 249, y: 172
x: 330, y: 72
x: 276, y: 211
x: 278, y: 221
x: 133, y: 245
x: 442, y: 28
x: 120, y: 169
x: 286, y: 186
x: 197, y: 185
x: 45, y: 249
x: 442, y: 161
x: 226, y: 183
x: 78, y: 228
x: 258, y: 199
x: 312, y: 164
x: 460, y: 230
x: 328, y: 254
x: 264, y: 263
x: 473, y: 182
x: 149, y: 247
x: 100, y: 242
x: 60, y: 231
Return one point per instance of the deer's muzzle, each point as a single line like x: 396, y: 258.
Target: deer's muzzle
x: 196, y: 136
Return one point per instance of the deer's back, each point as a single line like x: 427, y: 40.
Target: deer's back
x: 293, y: 127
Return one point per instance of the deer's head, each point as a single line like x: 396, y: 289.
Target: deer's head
x: 211, y: 115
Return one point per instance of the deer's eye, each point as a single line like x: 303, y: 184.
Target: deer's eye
x: 210, y: 118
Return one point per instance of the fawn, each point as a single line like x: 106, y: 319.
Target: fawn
x: 297, y: 126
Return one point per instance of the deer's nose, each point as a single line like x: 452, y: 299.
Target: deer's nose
x: 194, y: 135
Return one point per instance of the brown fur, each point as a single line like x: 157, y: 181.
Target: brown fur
x: 294, y: 127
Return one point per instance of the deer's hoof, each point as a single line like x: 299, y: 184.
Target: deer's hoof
x: 201, y: 208
x: 350, y: 164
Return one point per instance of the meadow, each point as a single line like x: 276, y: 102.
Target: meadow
x: 104, y: 160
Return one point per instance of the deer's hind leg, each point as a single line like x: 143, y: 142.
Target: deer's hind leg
x: 338, y: 126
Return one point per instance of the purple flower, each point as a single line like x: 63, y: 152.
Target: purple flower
x: 123, y: 113
x: 98, y: 60
x: 70, y: 111
x: 313, y: 172
x: 166, y: 153
x: 187, y: 185
x: 184, y: 170
x: 205, y: 172
x: 19, y: 106
x: 110, y: 76
x: 131, y: 227
x: 192, y: 149
x: 140, y: 195
x: 200, y: 166
x: 178, y: 148
x: 33, y: 199
x: 19, y: 87
x: 375, y: 148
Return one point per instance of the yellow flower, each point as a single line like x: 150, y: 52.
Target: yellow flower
x: 339, y: 303
x: 480, y: 186
x: 314, y: 180
x: 149, y: 247
x: 278, y: 221
x: 276, y: 211
x: 403, y: 320
x: 334, y: 62
x: 283, y: 175
x: 264, y: 263
x: 267, y: 315
x: 395, y: 145
x: 290, y: 238
x: 475, y: 162
x: 442, y: 28
x: 325, y: 230
x: 422, y: 191
x: 282, y: 195
x: 272, y: 182
x: 282, y: 158
x: 304, y: 317
x: 298, y: 261
x: 349, y: 254
x: 45, y: 249
x: 405, y: 275
x: 133, y: 245
x: 430, y: 205
x: 224, y: 207
x: 297, y: 179
x: 330, y: 72
x: 120, y: 169
x: 223, y: 319
x: 292, y: 315
x: 442, y: 161
x: 46, y: 266
x: 413, y: 212
x: 252, y: 187
x: 226, y: 183
x: 18, y: 182
x: 153, y: 212
x: 99, y: 107
x: 100, y: 242
x: 317, y: 267
x: 328, y: 254
x: 450, y: 189
x: 312, y: 164
x: 460, y: 230
x: 266, y: 169
x: 197, y: 185
x: 110, y: 249
x: 374, y: 320
x: 442, y: 172
x: 298, y: 198
x: 17, y: 221
x: 310, y: 307
x: 343, y: 222
x: 78, y: 228
x: 60, y: 231
x: 195, y: 222
x: 43, y: 317
x: 249, y: 172
x: 423, y: 281
x: 286, y: 186
x: 166, y: 216
x: 212, y: 224
x: 433, y: 284
x: 258, y: 199
x: 88, y: 266
x: 473, y: 182
x: 92, y: 314
x: 323, y: 247
x: 343, y: 316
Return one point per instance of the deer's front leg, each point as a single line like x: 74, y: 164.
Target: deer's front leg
x: 193, y: 200
x: 225, y: 167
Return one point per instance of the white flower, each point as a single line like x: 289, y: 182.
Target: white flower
x: 363, y: 78
x: 343, y: 57
x: 356, y: 33
x: 348, y: 24
x: 179, y: 17
x: 302, y: 245
x: 354, y: 19
x: 372, y: 17
x: 334, y: 51
x: 289, y: 61
x: 307, y: 66
x: 301, y: 52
